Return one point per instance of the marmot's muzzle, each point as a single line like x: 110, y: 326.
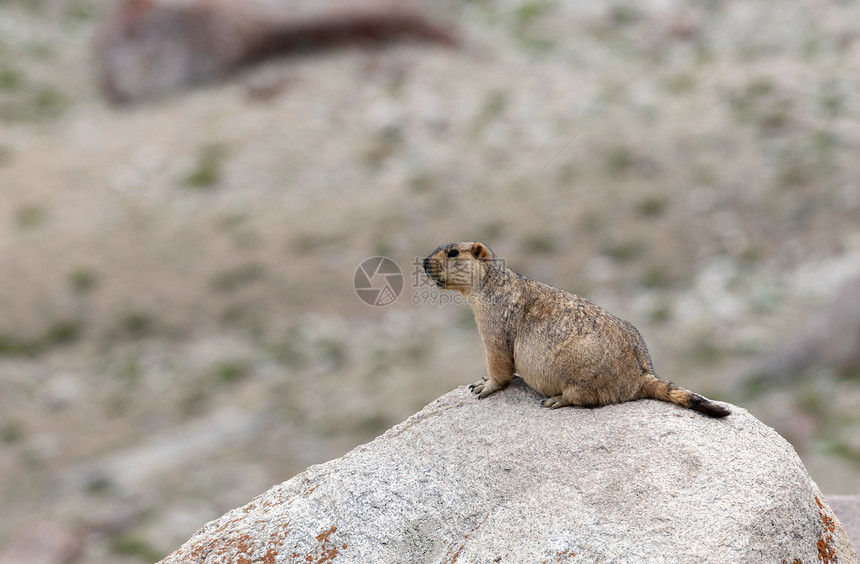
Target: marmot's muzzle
x: 430, y: 274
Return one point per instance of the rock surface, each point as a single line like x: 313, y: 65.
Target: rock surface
x: 504, y: 480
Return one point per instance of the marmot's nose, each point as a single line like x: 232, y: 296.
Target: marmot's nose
x: 426, y: 263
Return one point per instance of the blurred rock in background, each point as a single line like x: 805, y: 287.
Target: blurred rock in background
x: 152, y: 47
x: 828, y: 339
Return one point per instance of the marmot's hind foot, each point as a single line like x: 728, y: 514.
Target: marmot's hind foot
x: 555, y: 402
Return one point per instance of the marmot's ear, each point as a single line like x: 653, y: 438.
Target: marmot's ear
x: 479, y: 251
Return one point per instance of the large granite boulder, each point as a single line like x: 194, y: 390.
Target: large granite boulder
x: 505, y: 480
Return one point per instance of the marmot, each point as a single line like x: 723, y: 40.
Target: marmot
x: 564, y: 346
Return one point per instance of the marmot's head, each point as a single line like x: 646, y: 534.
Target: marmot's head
x: 459, y: 266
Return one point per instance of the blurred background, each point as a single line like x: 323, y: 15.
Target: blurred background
x: 181, y: 221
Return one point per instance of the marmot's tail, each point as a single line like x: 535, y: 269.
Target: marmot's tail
x: 663, y: 390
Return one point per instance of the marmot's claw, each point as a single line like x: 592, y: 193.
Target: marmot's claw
x: 553, y: 402
x: 477, y: 388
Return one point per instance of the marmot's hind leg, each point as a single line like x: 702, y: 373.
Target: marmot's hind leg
x: 555, y: 402
x: 569, y: 396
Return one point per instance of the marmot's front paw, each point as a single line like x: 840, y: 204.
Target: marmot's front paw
x: 477, y: 387
x: 485, y: 388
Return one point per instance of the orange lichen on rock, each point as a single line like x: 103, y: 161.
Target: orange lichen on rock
x: 309, y: 491
x: 825, y: 543
x: 826, y: 550
x: 326, y: 551
x: 323, y: 537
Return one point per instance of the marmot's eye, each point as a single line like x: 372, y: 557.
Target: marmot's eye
x: 453, y: 253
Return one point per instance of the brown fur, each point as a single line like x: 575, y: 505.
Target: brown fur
x: 563, y: 346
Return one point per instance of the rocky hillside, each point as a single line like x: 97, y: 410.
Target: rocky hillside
x: 178, y: 324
